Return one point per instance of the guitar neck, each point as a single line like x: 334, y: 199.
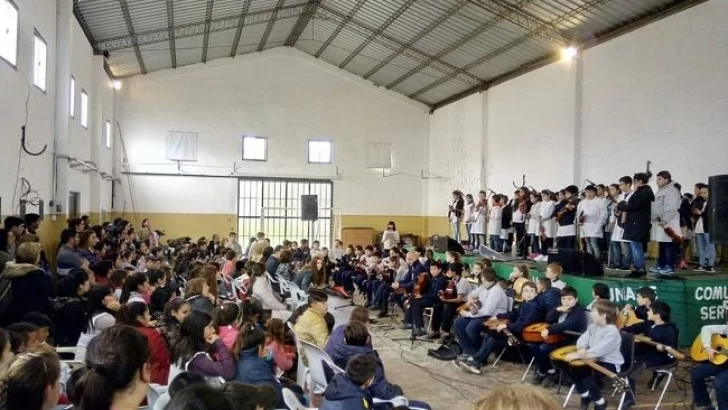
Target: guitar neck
x: 601, y: 369
x: 643, y: 339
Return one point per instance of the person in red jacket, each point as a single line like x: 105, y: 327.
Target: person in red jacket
x: 136, y: 314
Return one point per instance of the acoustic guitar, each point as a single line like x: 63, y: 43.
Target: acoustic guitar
x: 492, y: 324
x: 627, y: 318
x: 560, y: 354
x: 718, y: 342
x: 674, y: 236
x: 673, y: 352
x: 532, y: 334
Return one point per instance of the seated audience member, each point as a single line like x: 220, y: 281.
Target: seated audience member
x: 32, y: 287
x: 553, y: 272
x: 486, y: 301
x: 102, y: 272
x: 311, y: 275
x: 599, y: 291
x: 70, y: 307
x: 528, y: 313
x: 548, y: 297
x: 174, y: 314
x: 228, y: 319
x: 23, y: 337
x: 43, y: 324
x: 645, y: 296
x: 426, y: 298
x: 569, y: 316
x: 250, y: 397
x: 116, y: 281
x: 5, y: 349
x: 67, y: 257
x: 136, y: 289
x: 136, y: 315
x: 283, y: 270
x: 102, y: 310
x: 518, y: 277
x: 199, y: 397
x: 117, y: 371
x: 253, y: 312
x: 263, y: 291
x: 253, y: 360
x: 87, y: 241
x: 455, y: 294
x: 157, y: 279
x: 31, y: 382
x: 159, y: 301
x: 271, y: 265
x: 176, y: 385
x: 198, y: 295
x: 311, y: 326
x: 516, y: 397
x: 200, y: 350
x: 350, y: 391
x: 283, y: 354
x: 229, y: 267
x: 359, y: 314
x: 658, y: 328
x: 356, y: 338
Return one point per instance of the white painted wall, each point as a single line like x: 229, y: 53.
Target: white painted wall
x: 288, y: 97
x: 659, y: 93
x: 41, y: 15
x: 455, y: 152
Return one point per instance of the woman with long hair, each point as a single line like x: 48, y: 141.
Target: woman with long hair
x: 136, y: 315
x: 263, y: 291
x: 253, y: 360
x: 87, y: 241
x: 390, y: 237
x: 117, y: 372
x: 102, y: 309
x: 198, y: 294
x: 70, y: 307
x: 135, y: 289
x: 455, y: 213
x: 192, y: 352
x: 174, y: 314
x: 283, y: 356
x: 312, y: 274
x: 31, y: 382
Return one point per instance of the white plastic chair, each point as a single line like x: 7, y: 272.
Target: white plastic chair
x: 316, y: 357
x: 394, y: 401
x: 289, y: 397
x: 302, y: 372
x: 154, y: 393
x: 298, y: 296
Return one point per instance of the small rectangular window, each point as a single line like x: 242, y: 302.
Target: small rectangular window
x: 107, y: 134
x: 72, y: 98
x: 255, y: 148
x: 39, y: 62
x: 84, y: 109
x: 9, y: 32
x: 319, y: 152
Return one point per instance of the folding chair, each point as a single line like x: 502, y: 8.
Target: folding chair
x: 154, y: 393
x: 298, y: 296
x: 427, y: 312
x: 302, y: 371
x: 516, y: 345
x: 316, y: 358
x: 669, y: 370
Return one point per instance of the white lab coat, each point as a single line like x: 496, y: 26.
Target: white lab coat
x: 533, y: 227
x: 595, y: 216
x: 549, y: 225
x: 494, y: 224
x: 479, y: 224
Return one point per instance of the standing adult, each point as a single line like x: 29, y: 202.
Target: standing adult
x: 455, y: 213
x: 666, y: 214
x: 706, y: 249
x: 16, y: 227
x: 637, y: 225
x: 390, y: 237
x: 234, y: 244
x: 521, y: 207
x: 67, y: 257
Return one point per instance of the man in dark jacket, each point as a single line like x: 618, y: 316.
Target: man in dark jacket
x: 350, y: 391
x: 638, y: 222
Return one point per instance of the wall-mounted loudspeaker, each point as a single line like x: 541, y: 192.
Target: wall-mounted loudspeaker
x: 309, y: 207
x: 718, y: 208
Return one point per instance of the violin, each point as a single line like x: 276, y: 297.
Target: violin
x: 581, y: 218
x: 565, y: 210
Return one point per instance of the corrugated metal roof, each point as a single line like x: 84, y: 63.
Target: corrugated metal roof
x: 430, y: 50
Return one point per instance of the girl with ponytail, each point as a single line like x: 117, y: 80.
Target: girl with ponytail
x: 31, y: 382
x: 117, y: 372
x: 136, y: 315
x: 192, y: 352
x: 254, y: 360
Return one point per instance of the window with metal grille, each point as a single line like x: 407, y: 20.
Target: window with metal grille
x: 273, y: 206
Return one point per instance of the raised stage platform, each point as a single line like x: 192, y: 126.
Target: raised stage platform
x: 698, y: 300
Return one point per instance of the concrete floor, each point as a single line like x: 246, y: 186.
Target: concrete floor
x: 445, y: 386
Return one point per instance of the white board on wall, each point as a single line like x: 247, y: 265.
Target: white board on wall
x: 181, y: 146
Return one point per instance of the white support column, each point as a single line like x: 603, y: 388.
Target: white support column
x: 578, y: 98
x: 64, y: 23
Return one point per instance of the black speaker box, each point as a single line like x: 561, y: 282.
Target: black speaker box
x: 718, y: 208
x: 576, y: 262
x: 443, y: 243
x: 309, y: 207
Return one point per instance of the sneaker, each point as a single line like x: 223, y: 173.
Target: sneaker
x: 612, y: 267
x: 656, y: 269
x: 538, y: 378
x: 406, y: 326
x: 585, y: 402
x: 382, y: 314
x: 637, y: 274
x: 420, y: 332
x: 701, y: 269
x: 667, y: 271
x: 709, y: 269
x: 602, y: 406
x: 550, y: 381
x: 432, y: 336
x: 471, y: 367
